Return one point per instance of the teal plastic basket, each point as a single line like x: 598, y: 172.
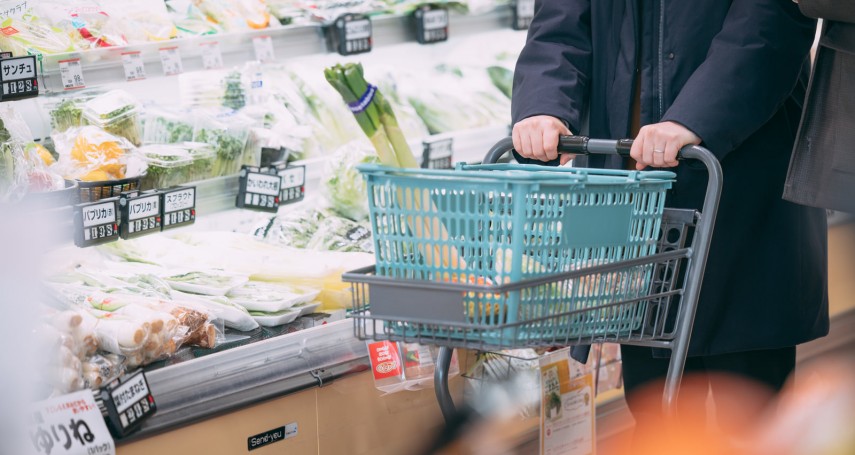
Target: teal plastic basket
x: 502, y: 223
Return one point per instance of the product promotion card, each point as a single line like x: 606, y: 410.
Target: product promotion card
x: 567, y: 407
x: 70, y: 424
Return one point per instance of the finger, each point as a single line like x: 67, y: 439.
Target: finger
x: 537, y: 146
x: 659, y: 153
x: 515, y: 136
x: 670, y: 155
x: 635, y: 150
x: 566, y: 158
x: 550, y: 142
x: 525, y: 143
x: 647, y: 150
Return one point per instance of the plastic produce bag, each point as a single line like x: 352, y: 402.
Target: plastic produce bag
x: 85, y: 21
x: 33, y: 34
x: 342, y: 234
x: 90, y: 154
x: 270, y: 297
x: 294, y: 229
x: 167, y: 125
x: 227, y: 132
x: 344, y: 187
x: 189, y: 20
x: 236, y: 15
x: 142, y: 21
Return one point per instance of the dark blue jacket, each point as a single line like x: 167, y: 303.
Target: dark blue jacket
x: 730, y: 72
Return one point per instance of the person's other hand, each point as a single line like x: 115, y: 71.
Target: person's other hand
x: 537, y: 138
x: 657, y: 144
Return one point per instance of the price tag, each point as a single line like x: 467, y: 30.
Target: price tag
x: 212, y: 58
x: 141, y: 214
x: 437, y: 154
x: 263, y: 46
x: 170, y: 58
x: 13, y: 8
x: 70, y: 424
x: 18, y: 78
x: 259, y: 189
x: 96, y: 222
x: 293, y: 184
x: 523, y: 13
x: 134, y: 68
x: 353, y: 34
x: 71, y: 73
x: 128, y: 402
x: 5, y: 55
x: 179, y: 207
x: 431, y: 24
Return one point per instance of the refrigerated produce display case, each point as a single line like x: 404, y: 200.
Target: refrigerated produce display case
x: 189, y: 99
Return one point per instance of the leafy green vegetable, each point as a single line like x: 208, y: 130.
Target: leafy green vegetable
x: 201, y: 279
x: 67, y: 114
x: 345, y: 186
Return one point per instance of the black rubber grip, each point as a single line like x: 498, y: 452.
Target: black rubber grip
x: 573, y: 144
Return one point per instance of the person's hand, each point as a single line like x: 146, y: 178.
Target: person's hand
x: 537, y: 138
x: 657, y: 144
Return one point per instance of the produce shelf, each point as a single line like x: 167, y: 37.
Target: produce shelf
x: 104, y: 66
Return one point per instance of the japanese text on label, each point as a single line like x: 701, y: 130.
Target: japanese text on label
x: 170, y: 58
x: 179, y: 200
x: 212, y: 58
x: 70, y: 424
x: 263, y: 184
x: 134, y: 67
x: 144, y: 207
x: 71, y: 74
x: 98, y: 214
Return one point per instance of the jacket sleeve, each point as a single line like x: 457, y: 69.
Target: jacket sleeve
x: 553, y: 71
x: 834, y: 10
x: 750, y: 70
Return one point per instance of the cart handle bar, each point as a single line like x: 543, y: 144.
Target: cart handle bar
x: 583, y: 145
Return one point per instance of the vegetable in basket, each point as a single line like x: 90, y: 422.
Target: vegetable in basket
x: 377, y: 120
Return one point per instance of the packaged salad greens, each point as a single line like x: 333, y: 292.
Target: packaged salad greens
x: 117, y: 113
x: 344, y: 187
x: 227, y: 133
x: 167, y: 126
x: 174, y: 164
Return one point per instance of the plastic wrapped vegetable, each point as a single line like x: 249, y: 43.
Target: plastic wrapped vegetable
x: 142, y: 21
x: 341, y: 234
x: 167, y: 126
x: 174, y: 164
x: 344, y: 186
x: 236, y: 15
x: 85, y: 21
x: 270, y: 297
x: 227, y: 133
x: 294, y: 229
x: 67, y: 114
x: 189, y: 20
x: 90, y: 154
x: 116, y: 112
x: 32, y: 34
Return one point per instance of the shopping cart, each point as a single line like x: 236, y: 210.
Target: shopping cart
x: 498, y: 256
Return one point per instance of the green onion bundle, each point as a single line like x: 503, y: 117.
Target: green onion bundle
x: 373, y: 113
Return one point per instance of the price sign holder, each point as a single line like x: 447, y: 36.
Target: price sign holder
x: 178, y: 206
x: 351, y: 34
x: 126, y: 403
x: 96, y: 222
x: 438, y: 154
x: 212, y: 58
x: 5, y: 55
x: 18, y: 78
x: 293, y: 183
x: 141, y: 214
x: 523, y: 13
x: 431, y: 23
x: 259, y: 189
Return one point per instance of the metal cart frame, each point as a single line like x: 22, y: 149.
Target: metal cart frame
x: 670, y: 303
